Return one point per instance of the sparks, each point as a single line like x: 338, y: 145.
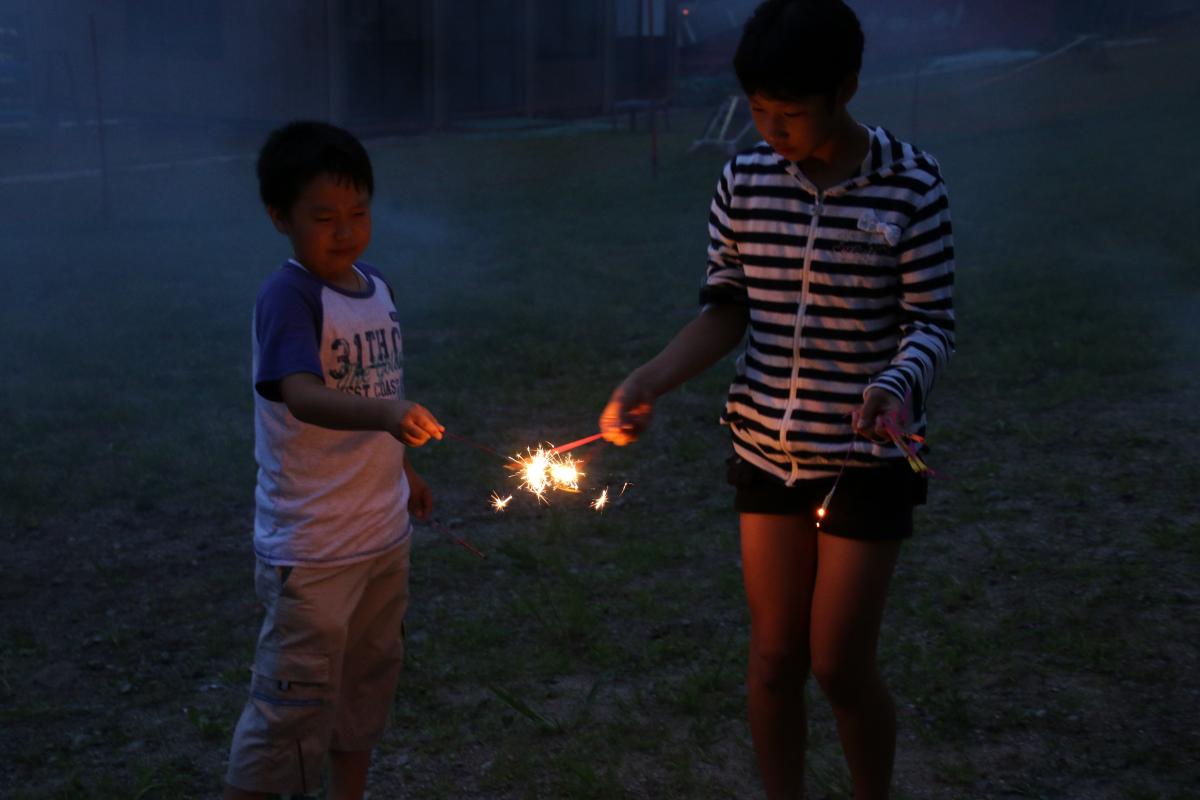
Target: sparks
x: 499, y: 503
x: 600, y: 502
x: 543, y: 470
x: 565, y: 475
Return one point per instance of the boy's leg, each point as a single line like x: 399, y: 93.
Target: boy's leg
x: 371, y: 666
x: 779, y: 556
x: 847, y: 609
x: 348, y: 774
x: 282, y: 735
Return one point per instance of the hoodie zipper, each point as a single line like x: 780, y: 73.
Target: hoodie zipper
x: 798, y: 336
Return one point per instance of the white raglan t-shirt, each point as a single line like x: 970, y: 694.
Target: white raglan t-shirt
x: 326, y: 497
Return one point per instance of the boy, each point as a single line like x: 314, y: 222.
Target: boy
x: 335, y: 487
x: 832, y: 243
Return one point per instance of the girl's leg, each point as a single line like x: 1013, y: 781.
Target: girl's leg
x: 847, y: 608
x: 778, y: 565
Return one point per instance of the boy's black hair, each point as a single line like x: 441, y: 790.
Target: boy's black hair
x: 794, y: 49
x: 300, y: 151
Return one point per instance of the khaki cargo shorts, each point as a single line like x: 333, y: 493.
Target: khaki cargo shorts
x: 325, y: 671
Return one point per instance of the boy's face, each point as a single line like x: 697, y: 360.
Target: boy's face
x: 329, y: 226
x: 796, y: 129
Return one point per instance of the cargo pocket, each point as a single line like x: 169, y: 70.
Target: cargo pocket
x: 291, y: 691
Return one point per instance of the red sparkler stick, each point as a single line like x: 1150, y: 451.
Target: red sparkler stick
x: 440, y: 528
x: 474, y: 444
x: 577, y: 443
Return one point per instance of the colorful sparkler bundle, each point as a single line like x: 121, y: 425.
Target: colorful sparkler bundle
x: 901, y: 439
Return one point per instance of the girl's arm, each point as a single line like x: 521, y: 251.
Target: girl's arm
x: 697, y: 346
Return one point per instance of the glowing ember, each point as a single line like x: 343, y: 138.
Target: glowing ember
x: 565, y: 476
x: 542, y: 470
x: 824, y: 509
x: 499, y: 503
x: 600, y: 502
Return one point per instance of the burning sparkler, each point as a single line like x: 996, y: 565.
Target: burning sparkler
x: 542, y: 470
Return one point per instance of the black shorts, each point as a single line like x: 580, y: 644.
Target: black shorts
x: 870, y: 502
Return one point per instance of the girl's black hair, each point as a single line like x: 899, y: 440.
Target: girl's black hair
x: 794, y: 49
x: 300, y: 151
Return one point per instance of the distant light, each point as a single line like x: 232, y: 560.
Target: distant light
x: 687, y: 11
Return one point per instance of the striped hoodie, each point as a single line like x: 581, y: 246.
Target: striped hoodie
x: 847, y: 289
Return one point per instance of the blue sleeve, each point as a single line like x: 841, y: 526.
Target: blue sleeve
x: 287, y: 328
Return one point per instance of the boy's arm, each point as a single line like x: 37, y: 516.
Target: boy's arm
x: 310, y: 400
x: 697, y: 346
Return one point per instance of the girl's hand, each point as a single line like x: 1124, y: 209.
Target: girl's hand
x: 878, y: 405
x: 627, y: 413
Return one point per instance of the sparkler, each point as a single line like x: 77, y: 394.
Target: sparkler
x: 899, y: 438
x: 577, y: 443
x: 543, y: 470
x: 463, y: 543
x: 472, y: 443
x: 824, y: 509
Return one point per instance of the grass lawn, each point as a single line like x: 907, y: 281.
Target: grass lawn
x: 1041, y: 638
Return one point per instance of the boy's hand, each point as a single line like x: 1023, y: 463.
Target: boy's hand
x: 420, y: 496
x: 412, y: 424
x: 878, y: 404
x: 628, y: 413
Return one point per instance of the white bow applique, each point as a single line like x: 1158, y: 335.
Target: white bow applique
x: 869, y: 223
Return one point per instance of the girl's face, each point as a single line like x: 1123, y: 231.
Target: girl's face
x: 796, y: 129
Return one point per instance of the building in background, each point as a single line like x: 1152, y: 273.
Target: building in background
x: 924, y: 29
x: 367, y: 63
x: 394, y: 64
